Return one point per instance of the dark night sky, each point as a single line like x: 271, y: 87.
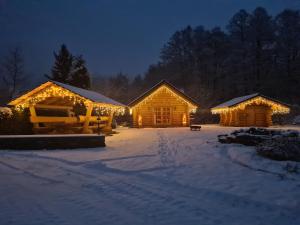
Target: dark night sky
x: 112, y: 35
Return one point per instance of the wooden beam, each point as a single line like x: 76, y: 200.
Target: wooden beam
x: 134, y: 117
x: 93, y: 118
x: 33, y: 114
x: 87, y: 118
x: 108, y: 127
x: 53, y: 119
x: 44, y: 106
x: 49, y: 100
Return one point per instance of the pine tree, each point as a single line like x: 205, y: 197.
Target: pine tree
x: 61, y: 71
x: 261, y: 38
x: 69, y: 69
x: 80, y: 76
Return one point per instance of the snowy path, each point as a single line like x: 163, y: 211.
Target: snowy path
x: 148, y: 176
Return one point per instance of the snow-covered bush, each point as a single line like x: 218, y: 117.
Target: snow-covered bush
x: 5, y: 112
x: 14, y: 122
x: 281, y: 148
x: 274, y: 144
x: 296, y: 120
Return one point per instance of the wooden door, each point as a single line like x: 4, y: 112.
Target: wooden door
x: 162, y: 116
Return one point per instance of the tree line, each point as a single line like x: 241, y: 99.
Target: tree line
x: 254, y: 53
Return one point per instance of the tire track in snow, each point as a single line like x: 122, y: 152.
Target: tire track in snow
x: 74, y: 199
x: 135, y: 198
x: 30, y: 174
x: 29, y: 208
x: 158, y: 199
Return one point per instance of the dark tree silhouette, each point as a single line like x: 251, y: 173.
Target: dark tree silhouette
x: 63, y: 65
x: 257, y: 53
x: 80, y: 76
x: 13, y: 72
x: 70, y: 69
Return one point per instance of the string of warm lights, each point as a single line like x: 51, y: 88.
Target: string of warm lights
x: 52, y: 91
x: 57, y: 91
x: 277, y: 108
x: 164, y: 88
x: 108, y: 109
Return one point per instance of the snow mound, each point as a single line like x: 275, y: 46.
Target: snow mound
x: 273, y: 144
x: 297, y: 120
x: 5, y: 113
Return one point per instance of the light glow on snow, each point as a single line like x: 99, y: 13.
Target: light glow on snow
x: 149, y: 176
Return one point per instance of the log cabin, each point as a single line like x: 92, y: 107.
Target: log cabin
x: 163, y: 105
x: 250, y: 110
x: 52, y: 109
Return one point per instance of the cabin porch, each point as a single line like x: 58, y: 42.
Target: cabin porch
x: 58, y: 115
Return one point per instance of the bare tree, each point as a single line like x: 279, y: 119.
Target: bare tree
x: 13, y: 71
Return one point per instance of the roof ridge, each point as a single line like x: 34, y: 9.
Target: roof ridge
x: 157, y: 85
x: 235, y: 101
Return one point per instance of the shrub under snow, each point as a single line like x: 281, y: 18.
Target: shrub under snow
x: 281, y: 148
x: 296, y: 120
x: 274, y: 144
x: 14, y: 122
x: 5, y: 112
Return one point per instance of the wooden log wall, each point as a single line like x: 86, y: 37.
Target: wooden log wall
x: 253, y: 115
x: 161, y: 99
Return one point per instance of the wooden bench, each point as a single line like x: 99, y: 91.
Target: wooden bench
x: 195, y: 127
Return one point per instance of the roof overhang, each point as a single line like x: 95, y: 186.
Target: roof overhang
x: 276, y: 106
x: 169, y: 87
x: 55, y: 89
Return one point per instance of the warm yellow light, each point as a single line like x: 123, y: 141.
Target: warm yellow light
x: 184, y: 119
x: 166, y: 89
x: 57, y: 91
x: 276, y: 107
x: 140, y: 120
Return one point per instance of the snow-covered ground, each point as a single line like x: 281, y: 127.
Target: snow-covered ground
x: 149, y: 176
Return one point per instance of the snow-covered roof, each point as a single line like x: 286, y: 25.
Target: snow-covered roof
x: 91, y: 95
x: 87, y: 94
x: 236, y: 101
x: 158, y: 85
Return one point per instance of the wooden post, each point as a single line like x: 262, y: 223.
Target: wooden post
x: 154, y: 116
x: 86, y: 123
x: 108, y: 127
x: 33, y: 116
x: 222, y: 118
x: 134, y: 117
x: 226, y: 119
x: 140, y: 120
x: 269, y: 118
x: 235, y: 118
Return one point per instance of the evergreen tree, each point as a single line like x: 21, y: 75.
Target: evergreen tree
x: 80, y: 76
x: 238, y: 58
x: 119, y: 87
x: 288, y: 52
x: 69, y: 69
x: 63, y: 65
x: 238, y: 26
x: 288, y: 42
x: 257, y: 54
x: 261, y: 37
x: 136, y: 87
